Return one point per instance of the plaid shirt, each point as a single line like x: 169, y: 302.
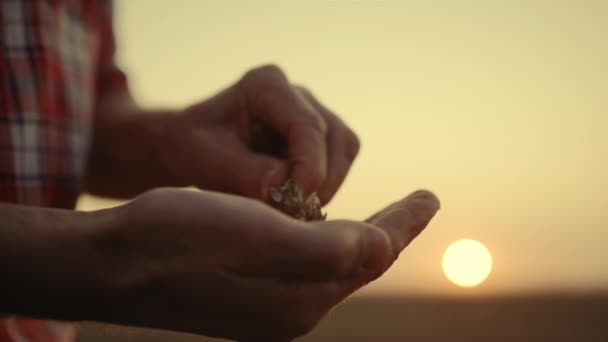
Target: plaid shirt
x: 56, y: 60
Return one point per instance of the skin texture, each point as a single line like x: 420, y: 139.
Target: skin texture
x: 200, y: 262
x: 220, y: 264
x: 245, y: 140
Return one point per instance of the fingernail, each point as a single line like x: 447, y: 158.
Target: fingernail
x: 376, y: 249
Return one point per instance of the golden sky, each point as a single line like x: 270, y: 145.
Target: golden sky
x: 500, y: 107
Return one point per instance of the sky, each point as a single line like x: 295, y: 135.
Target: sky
x: 499, y: 107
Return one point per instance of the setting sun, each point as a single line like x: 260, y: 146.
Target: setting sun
x: 467, y: 263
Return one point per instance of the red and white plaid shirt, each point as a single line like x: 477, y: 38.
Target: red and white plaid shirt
x: 56, y: 61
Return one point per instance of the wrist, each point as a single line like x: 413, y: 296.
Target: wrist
x: 130, y: 146
x: 49, y: 262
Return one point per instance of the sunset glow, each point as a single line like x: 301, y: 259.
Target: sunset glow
x: 467, y: 263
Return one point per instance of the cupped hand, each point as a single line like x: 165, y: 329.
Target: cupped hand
x: 227, y: 266
x: 256, y: 134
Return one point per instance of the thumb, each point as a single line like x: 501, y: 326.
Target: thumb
x: 252, y: 174
x: 345, y: 249
x: 330, y: 250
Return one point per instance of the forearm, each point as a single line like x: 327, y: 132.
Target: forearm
x: 125, y: 156
x: 48, y: 265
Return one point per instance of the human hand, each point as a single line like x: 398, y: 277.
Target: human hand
x: 255, y: 134
x: 231, y: 267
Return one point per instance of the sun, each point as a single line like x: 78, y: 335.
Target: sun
x: 467, y: 263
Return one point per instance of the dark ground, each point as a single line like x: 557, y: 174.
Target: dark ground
x: 535, y: 318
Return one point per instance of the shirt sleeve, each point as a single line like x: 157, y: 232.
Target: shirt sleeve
x: 110, y: 78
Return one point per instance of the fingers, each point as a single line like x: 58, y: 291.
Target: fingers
x: 404, y: 220
x: 253, y: 174
x: 307, y: 156
x: 342, y: 149
x: 271, y: 98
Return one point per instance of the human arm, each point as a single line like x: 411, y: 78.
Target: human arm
x: 125, y: 158
x: 47, y: 261
x: 200, y: 262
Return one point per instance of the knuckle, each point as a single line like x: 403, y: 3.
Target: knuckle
x: 271, y: 69
x: 339, y: 259
x: 265, y: 73
x: 305, y: 91
x: 353, y: 145
x: 262, y: 85
x: 314, y: 122
x: 379, y: 251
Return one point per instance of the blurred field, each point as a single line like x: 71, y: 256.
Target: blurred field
x: 519, y: 318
